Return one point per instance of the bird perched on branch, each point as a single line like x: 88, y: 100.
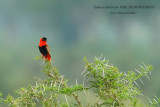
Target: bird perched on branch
x: 44, y: 49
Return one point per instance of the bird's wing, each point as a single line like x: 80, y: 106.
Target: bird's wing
x: 48, y: 50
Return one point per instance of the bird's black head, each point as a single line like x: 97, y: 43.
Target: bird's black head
x: 44, y: 39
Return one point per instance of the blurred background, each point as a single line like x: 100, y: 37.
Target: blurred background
x: 75, y: 29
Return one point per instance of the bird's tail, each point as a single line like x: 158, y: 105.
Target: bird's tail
x: 48, y: 57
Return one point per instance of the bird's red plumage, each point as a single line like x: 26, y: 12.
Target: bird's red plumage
x: 42, y: 43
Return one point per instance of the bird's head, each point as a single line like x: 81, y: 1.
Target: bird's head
x: 43, y: 41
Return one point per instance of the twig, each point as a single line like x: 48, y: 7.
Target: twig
x: 77, y: 99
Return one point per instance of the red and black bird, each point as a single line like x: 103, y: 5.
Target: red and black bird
x: 44, y: 49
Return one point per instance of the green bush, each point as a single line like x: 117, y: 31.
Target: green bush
x: 111, y: 87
